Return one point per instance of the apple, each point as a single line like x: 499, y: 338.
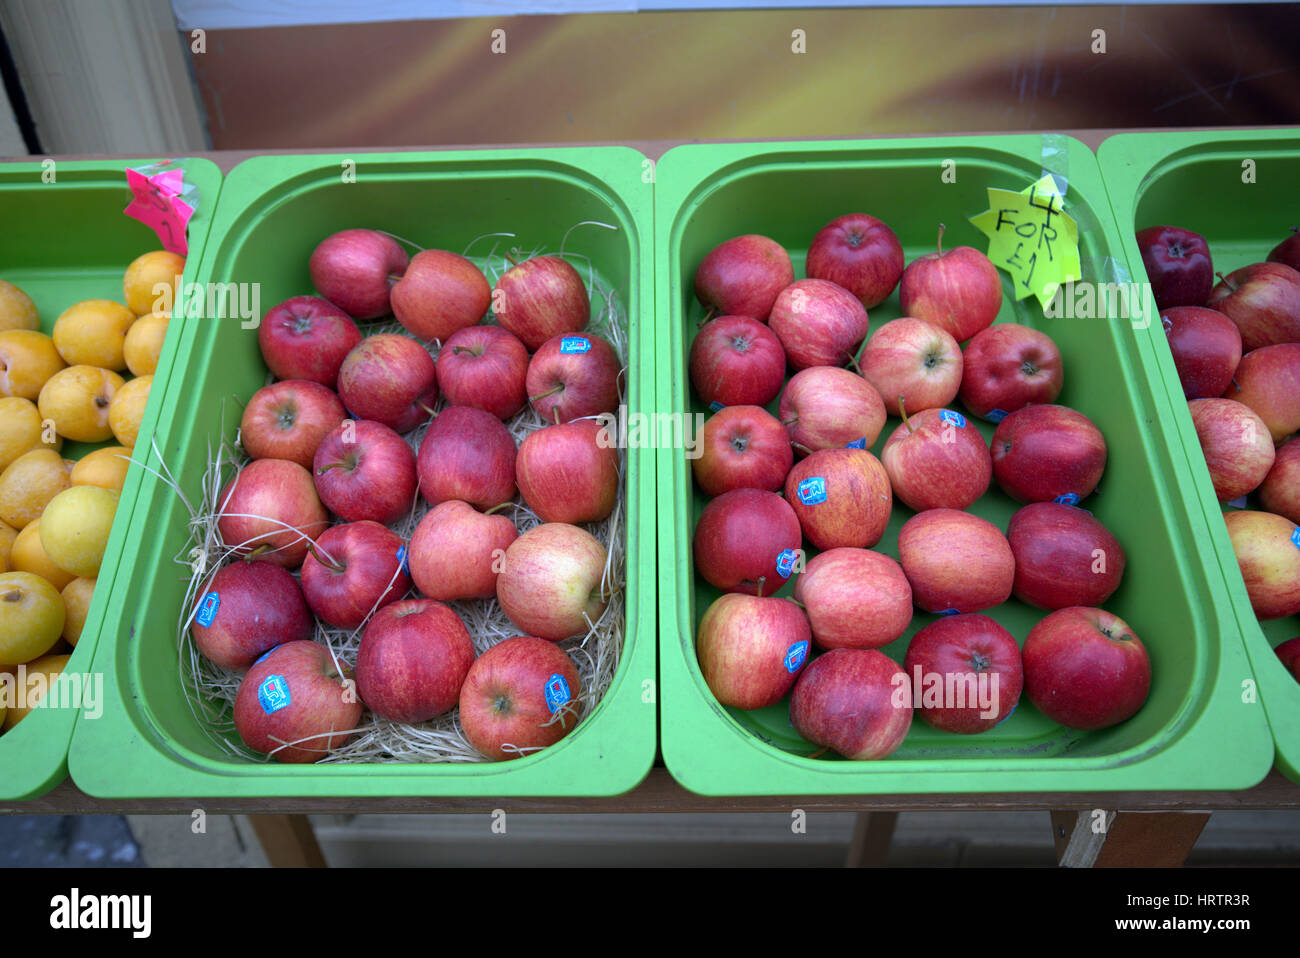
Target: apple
x: 440, y: 292
x: 1287, y: 252
x: 247, y: 608
x: 751, y: 649
x: 937, y: 460
x: 955, y: 561
x: 364, y: 470
x: 356, y: 269
x: 413, y: 660
x: 857, y: 702
x: 541, y: 298
x: 1289, y: 654
x: 389, y: 378
x: 456, y: 551
x: 571, y: 377
x: 742, y: 447
x: 818, y: 323
x: 1047, y: 451
x: 552, y: 582
x: 307, y: 337
x: 1237, y: 446
x: 1178, y: 265
x: 747, y: 540
x: 743, y: 276
x: 1064, y: 556
x: 854, y: 599
x: 736, y: 361
x: 271, y: 508
x: 1263, y: 299
x: 295, y: 705
x: 861, y: 254
x: 569, y: 472
x: 1008, y: 366
x: 467, y: 454
x: 288, y: 420
x: 1206, y: 346
x: 521, y: 695
x: 1280, y: 491
x: 1268, y: 381
x: 966, y: 673
x: 1268, y: 553
x: 841, y: 498
x: 826, y: 407
x: 1085, y: 668
x: 484, y: 367
x: 352, y: 570
x: 914, y: 362
x: 958, y: 291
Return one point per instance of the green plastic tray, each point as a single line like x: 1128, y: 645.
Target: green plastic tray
x: 1195, y: 180
x: 1194, y: 731
x: 274, y: 211
x: 62, y: 242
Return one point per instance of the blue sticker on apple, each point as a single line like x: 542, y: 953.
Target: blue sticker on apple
x: 1238, y: 503
x: 812, y: 491
x: 949, y: 612
x: 575, y: 344
x: 716, y: 406
x: 1009, y: 714
x: 403, y: 559
x: 208, y: 609
x: 996, y: 415
x: 953, y: 418
x: 1295, y: 537
x: 273, y: 694
x: 795, y: 656
x: 858, y: 443
x: 557, y: 692
x: 785, y: 562
x: 266, y: 653
x: 1069, y: 499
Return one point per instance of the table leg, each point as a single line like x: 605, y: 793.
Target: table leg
x: 873, y: 833
x: 288, y: 840
x: 1100, y: 838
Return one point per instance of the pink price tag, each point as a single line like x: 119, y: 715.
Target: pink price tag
x: 157, y: 203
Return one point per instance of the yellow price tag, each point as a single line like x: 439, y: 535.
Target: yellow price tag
x: 1032, y: 238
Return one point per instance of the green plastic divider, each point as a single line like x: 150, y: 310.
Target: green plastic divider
x: 1195, y: 731
x: 65, y: 239
x: 274, y: 211
x: 1233, y: 188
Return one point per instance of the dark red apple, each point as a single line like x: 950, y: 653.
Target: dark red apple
x: 912, y: 362
x: 246, y: 609
x: 751, y: 649
x: 484, y: 367
x: 521, y: 695
x: 1045, y: 452
x: 825, y: 407
x: 743, y: 276
x: 354, y: 569
x: 467, y: 454
x: 1268, y: 381
x: 1008, y: 366
x: 288, y: 420
x: 457, y: 552
x: 1289, y: 653
x: 966, y: 673
x: 857, y: 702
x: 841, y: 498
x: 307, y: 337
x: 1287, y: 252
x: 736, y: 361
x: 959, y: 291
x: 1206, y: 346
x: 440, y: 292
x: 413, y: 660
x: 568, y: 472
x: 854, y: 599
x: 356, y: 269
x: 1263, y: 299
x: 818, y: 323
x: 747, y: 540
x: 1178, y: 265
x: 541, y: 298
x: 1238, y: 449
x: 1064, y: 556
x: 937, y: 460
x: 860, y: 253
x: 271, y: 508
x: 571, y: 377
x: 1279, y: 493
x: 742, y: 447
x: 955, y: 561
x: 364, y: 470
x: 389, y: 378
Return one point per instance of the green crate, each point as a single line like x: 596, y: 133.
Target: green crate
x: 65, y: 240
x: 1198, y: 181
x: 1194, y: 731
x: 274, y: 211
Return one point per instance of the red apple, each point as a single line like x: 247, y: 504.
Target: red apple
x: 955, y: 561
x: 389, y: 378
x: 413, y: 660
x: 571, y: 377
x: 1236, y: 444
x: 1178, y: 265
x: 855, y: 599
x: 1289, y: 654
x: 958, y: 291
x: 521, y: 695
x: 1287, y: 252
x: 937, y: 460
x: 743, y: 276
x: 295, y: 705
x: 751, y: 649
x: 855, y: 701
x: 467, y: 454
x: 541, y: 298
x: 966, y: 673
x: 1045, y: 452
x: 552, y: 583
x: 457, y: 552
x: 826, y: 407
x: 1064, y: 556
x: 307, y: 337
x: 364, y: 470
x: 484, y: 367
x: 246, y: 609
x: 841, y: 497
x: 355, y: 270
x: 568, y: 472
x: 354, y: 569
x: 1206, y: 347
x: 1268, y: 381
x: 742, y: 447
x: 1268, y: 554
x: 1008, y: 366
x: 913, y: 361
x: 736, y: 361
x: 271, y: 508
x: 1085, y: 668
x: 288, y: 420
x: 1280, y: 491
x: 747, y: 540
x: 1263, y: 299
x: 818, y: 323
x: 440, y: 292
x: 860, y: 253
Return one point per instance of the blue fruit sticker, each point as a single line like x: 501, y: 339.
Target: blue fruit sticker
x: 273, y: 694
x: 785, y: 562
x: 575, y: 344
x: 1238, y: 503
x: 403, y: 559
x: 266, y: 653
x: 1069, y: 499
x: 1009, y: 714
x: 716, y: 406
x: 858, y: 443
x: 208, y: 609
x: 953, y: 418
x: 949, y: 612
x: 996, y: 415
x: 812, y: 491
x: 557, y: 692
x: 795, y: 656
x: 1295, y: 537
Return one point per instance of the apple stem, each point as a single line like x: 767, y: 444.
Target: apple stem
x: 324, y: 469
x: 550, y: 392
x: 853, y: 361
x: 790, y: 422
x: 428, y: 410
x: 1225, y: 282
x: 325, y: 559
x: 263, y: 549
x: 939, y: 243
x: 902, y: 411
x: 511, y: 256
x: 796, y: 602
x: 802, y: 448
x: 820, y: 752
x: 707, y: 316
x: 762, y: 581
x: 496, y: 508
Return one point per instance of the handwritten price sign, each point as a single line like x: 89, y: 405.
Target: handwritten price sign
x: 163, y: 201
x: 1032, y: 238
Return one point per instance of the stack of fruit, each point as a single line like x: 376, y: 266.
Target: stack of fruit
x: 377, y: 469
x: 56, y: 513
x: 1236, y: 346
x: 806, y: 476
